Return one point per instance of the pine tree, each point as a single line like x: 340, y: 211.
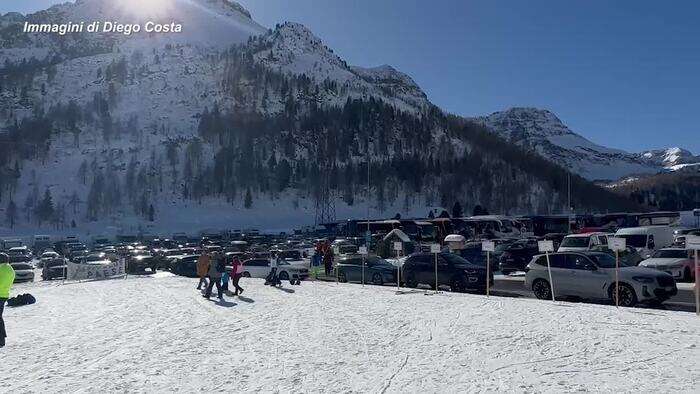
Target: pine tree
x: 11, y: 214
x: 457, y: 211
x: 248, y: 203
x: 45, y: 208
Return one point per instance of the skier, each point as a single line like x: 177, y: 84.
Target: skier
x: 216, y: 269
x: 236, y: 273
x: 7, y: 277
x: 202, y: 268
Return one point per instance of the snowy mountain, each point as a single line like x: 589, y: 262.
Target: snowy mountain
x: 541, y: 131
x: 671, y: 158
x: 230, y: 124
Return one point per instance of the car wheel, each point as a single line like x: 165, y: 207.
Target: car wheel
x: 686, y: 275
x: 411, y: 281
x: 457, y: 285
x: 246, y: 274
x: 542, y: 289
x: 628, y: 297
x: 377, y: 279
x: 341, y: 277
x: 284, y: 275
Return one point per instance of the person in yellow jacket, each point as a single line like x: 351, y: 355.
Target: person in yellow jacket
x: 7, y: 278
x: 202, y: 269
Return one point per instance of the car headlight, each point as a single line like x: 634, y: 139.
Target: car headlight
x: 643, y: 279
x: 680, y: 265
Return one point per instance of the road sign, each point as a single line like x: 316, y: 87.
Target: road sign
x: 362, y: 250
x: 488, y: 246
x: 545, y: 246
x: 398, y: 246
x: 617, y: 244
x: 692, y: 242
x: 435, y: 248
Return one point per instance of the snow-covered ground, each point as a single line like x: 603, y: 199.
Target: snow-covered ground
x: 157, y: 334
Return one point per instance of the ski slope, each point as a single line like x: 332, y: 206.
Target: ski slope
x: 157, y: 334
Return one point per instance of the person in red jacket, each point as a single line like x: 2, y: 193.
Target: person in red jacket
x: 236, y: 274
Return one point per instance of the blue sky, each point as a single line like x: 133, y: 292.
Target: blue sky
x: 624, y: 74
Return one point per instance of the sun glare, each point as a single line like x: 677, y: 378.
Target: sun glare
x: 146, y: 8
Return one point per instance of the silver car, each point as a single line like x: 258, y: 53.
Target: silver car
x: 591, y: 275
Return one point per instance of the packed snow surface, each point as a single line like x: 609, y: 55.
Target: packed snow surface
x: 157, y: 334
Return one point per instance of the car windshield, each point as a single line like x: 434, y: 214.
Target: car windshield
x: 575, y: 242
x: 635, y: 240
x: 670, y: 254
x: 603, y: 260
x: 427, y: 230
x: 94, y: 258
x: 21, y: 267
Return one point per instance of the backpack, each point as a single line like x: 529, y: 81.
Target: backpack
x: 220, y: 266
x: 20, y: 300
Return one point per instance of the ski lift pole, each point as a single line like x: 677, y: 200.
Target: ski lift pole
x: 697, y: 285
x: 551, y: 282
x: 488, y: 247
x: 488, y: 273
x: 617, y: 278
x: 546, y: 247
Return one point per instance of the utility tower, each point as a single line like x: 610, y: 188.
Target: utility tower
x: 325, y: 197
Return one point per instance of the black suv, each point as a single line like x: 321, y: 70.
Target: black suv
x: 453, y: 271
x: 517, y: 255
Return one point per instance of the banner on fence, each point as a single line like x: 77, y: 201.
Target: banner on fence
x: 96, y: 271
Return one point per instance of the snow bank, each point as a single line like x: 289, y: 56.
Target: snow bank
x: 157, y: 334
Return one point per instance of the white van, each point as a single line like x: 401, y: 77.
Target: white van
x: 647, y: 239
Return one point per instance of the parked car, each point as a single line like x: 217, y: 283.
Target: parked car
x: 582, y: 242
x: 137, y: 263
x: 20, y: 254
x: 377, y: 270
x: 680, y: 236
x: 629, y: 256
x: 453, y: 271
x: 294, y: 257
x: 591, y: 275
x: 24, y: 272
x: 54, y: 269
x: 95, y: 259
x: 517, y: 255
x: 675, y: 261
x: 184, y: 266
x: 647, y: 239
x: 260, y: 268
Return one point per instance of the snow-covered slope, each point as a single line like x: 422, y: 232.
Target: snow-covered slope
x: 294, y: 49
x: 157, y: 334
x: 541, y: 131
x: 671, y: 158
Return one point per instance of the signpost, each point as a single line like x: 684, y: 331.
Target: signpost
x: 617, y: 245
x: 398, y: 247
x: 692, y: 242
x: 547, y: 247
x: 363, y: 252
x: 488, y: 247
x: 435, y: 249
